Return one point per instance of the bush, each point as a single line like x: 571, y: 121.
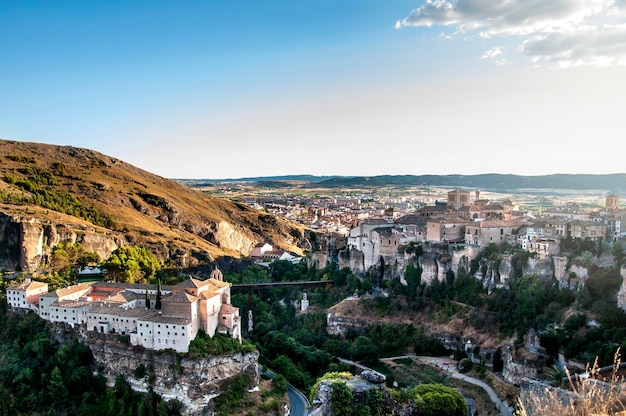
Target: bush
x: 592, y: 395
x: 465, y: 365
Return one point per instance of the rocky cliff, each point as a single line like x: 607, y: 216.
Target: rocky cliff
x: 26, y: 242
x: 194, y: 382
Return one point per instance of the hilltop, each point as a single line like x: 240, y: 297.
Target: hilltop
x: 81, y: 189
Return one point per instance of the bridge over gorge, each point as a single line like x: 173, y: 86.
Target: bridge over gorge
x: 266, y: 285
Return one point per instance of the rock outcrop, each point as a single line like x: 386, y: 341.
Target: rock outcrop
x: 360, y: 386
x: 27, y: 242
x: 126, y: 205
x: 520, y: 365
x: 193, y: 382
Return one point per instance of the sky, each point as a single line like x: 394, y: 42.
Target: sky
x: 229, y: 89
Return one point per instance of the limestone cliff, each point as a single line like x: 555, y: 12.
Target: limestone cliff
x: 194, y: 382
x: 520, y: 364
x: 26, y: 242
x: 359, y: 386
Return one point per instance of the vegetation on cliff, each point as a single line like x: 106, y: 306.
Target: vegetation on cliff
x: 40, y: 376
x: 353, y: 396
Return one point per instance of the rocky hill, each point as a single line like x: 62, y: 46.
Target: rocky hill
x: 52, y: 194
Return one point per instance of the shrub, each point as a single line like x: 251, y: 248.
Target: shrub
x: 589, y: 395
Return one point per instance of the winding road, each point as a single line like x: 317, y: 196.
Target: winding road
x: 299, y: 403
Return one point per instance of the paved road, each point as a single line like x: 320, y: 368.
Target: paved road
x: 298, y: 401
x: 449, y: 366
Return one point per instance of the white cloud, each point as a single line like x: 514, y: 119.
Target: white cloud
x: 591, y: 46
x: 557, y: 32
x: 495, y: 54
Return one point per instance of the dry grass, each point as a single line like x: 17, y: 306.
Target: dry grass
x: 589, y: 395
x: 148, y: 210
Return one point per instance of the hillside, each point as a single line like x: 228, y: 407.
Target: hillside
x: 86, y: 191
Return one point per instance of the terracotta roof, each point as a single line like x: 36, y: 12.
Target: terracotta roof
x: 27, y: 285
x: 444, y: 220
x: 412, y: 219
x: 180, y: 297
x: 228, y: 309
x: 218, y: 284
x: 191, y: 283
x: 59, y: 293
x: 157, y: 318
x: 501, y: 223
x: 70, y: 303
x: 208, y: 294
x: 122, y: 297
x: 112, y: 309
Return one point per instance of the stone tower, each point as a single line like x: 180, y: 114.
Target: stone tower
x: 612, y: 202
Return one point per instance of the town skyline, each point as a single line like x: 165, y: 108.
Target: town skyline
x: 365, y: 88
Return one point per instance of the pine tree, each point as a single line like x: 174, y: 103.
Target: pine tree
x: 148, y: 299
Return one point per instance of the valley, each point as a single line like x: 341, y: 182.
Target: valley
x: 519, y: 285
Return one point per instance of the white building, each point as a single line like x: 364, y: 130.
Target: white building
x: 186, y: 308
x: 25, y: 295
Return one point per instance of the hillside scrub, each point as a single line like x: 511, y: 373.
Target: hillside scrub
x: 592, y: 395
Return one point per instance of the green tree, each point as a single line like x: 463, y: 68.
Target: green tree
x: 157, y: 304
x: 437, y: 399
x: 131, y: 264
x: 56, y: 388
x: 341, y: 402
x: 618, y: 252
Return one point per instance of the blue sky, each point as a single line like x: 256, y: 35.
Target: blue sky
x: 223, y: 89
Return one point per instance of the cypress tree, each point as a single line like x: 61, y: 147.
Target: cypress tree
x: 157, y: 304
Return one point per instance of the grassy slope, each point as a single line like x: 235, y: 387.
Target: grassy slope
x: 171, y: 214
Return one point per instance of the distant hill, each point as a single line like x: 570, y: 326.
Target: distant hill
x: 491, y: 181
x: 81, y: 189
x: 269, y: 179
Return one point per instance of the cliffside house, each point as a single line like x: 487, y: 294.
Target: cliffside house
x: 25, y: 295
x: 483, y: 233
x: 413, y: 228
x: 592, y: 230
x: 446, y: 229
x: 129, y: 309
x: 360, y: 236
